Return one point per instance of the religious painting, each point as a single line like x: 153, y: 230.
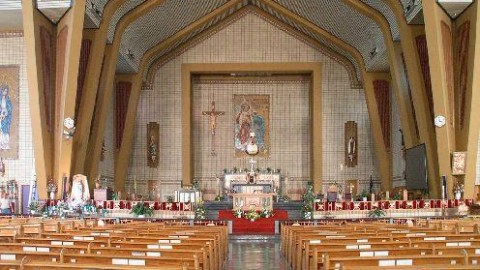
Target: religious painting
x: 152, y: 144
x: 9, y: 102
x: 459, y: 162
x: 351, y: 144
x: 252, y: 114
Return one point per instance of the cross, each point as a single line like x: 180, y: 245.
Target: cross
x: 212, y: 119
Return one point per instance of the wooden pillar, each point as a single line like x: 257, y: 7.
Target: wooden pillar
x: 438, y: 28
x: 90, y: 86
x: 106, y: 88
x: 467, y: 139
x: 69, y: 39
x: 424, y: 118
x: 382, y: 147
x: 123, y: 158
x: 37, y: 60
x: 399, y: 83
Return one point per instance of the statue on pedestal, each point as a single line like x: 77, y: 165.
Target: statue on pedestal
x: 80, y: 193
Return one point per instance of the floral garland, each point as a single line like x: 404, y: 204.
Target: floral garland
x: 253, y: 214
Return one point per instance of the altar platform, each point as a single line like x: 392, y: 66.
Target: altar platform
x: 263, y: 226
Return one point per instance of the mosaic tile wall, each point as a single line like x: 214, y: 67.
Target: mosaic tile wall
x: 12, y: 52
x: 249, y: 39
x: 398, y: 162
x: 289, y: 127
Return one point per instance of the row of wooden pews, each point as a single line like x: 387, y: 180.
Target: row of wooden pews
x: 30, y: 243
x: 441, y: 244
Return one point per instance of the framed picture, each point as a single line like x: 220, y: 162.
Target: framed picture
x: 459, y: 162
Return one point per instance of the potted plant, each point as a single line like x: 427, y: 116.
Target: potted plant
x: 238, y: 213
x: 170, y: 199
x: 376, y: 213
x: 266, y: 213
x: 200, y: 212
x: 33, y: 207
x: 141, y: 210
x: 364, y: 195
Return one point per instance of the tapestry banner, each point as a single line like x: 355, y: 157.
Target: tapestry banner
x: 252, y: 114
x: 9, y: 113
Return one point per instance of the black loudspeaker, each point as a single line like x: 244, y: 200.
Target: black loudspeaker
x: 444, y: 187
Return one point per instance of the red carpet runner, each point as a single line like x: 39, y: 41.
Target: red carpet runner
x: 259, y: 226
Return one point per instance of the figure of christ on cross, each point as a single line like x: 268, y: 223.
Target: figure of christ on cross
x: 212, y: 119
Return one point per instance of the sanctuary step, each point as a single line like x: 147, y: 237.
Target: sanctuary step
x: 212, y: 208
x: 293, y: 208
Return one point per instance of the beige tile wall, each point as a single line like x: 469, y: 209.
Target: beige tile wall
x: 22, y: 169
x: 250, y: 39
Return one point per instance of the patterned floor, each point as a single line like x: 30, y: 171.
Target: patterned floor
x: 251, y: 252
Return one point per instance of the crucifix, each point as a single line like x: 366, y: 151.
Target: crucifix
x: 212, y: 119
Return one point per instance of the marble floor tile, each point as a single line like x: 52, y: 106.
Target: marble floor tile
x: 246, y: 254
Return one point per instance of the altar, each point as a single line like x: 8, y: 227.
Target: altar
x: 251, y: 183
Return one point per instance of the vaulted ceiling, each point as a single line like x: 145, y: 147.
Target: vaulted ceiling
x: 172, y: 16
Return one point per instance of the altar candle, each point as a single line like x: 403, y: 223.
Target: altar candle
x: 405, y: 195
x: 387, y: 195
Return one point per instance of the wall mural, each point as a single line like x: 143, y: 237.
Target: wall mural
x: 9, y: 102
x: 252, y: 114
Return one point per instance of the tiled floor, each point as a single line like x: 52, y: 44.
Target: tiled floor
x: 248, y: 253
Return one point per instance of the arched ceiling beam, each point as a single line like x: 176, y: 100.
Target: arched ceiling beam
x: 107, y: 82
x: 396, y: 69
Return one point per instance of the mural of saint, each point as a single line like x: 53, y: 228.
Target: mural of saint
x: 251, y: 115
x: 6, y: 110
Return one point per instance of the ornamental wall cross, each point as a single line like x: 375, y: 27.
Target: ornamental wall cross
x: 212, y: 119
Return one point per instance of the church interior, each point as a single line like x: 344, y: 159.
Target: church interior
x: 239, y: 134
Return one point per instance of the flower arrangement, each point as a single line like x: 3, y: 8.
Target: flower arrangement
x: 458, y: 187
x: 200, y: 212
x: 89, y: 209
x: 238, y: 213
x: 141, y: 210
x: 34, y: 207
x: 252, y: 215
x: 266, y: 213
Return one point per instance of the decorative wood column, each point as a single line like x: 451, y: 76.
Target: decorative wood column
x: 399, y: 84
x: 440, y: 49
x: 408, y: 34
x: 122, y: 159
x: 104, y: 96
x: 468, y: 65
x: 86, y: 104
x: 40, y: 60
x: 376, y: 109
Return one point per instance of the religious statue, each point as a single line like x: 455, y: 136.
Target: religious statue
x: 80, y: 193
x: 152, y: 149
x: 2, y: 168
x: 212, y: 118
x: 6, y: 110
x: 352, y: 149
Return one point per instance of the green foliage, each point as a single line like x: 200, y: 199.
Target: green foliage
x: 308, y: 199
x: 219, y: 198
x: 200, y: 212
x: 376, y: 213
x: 252, y: 215
x: 170, y: 199
x: 140, y: 209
